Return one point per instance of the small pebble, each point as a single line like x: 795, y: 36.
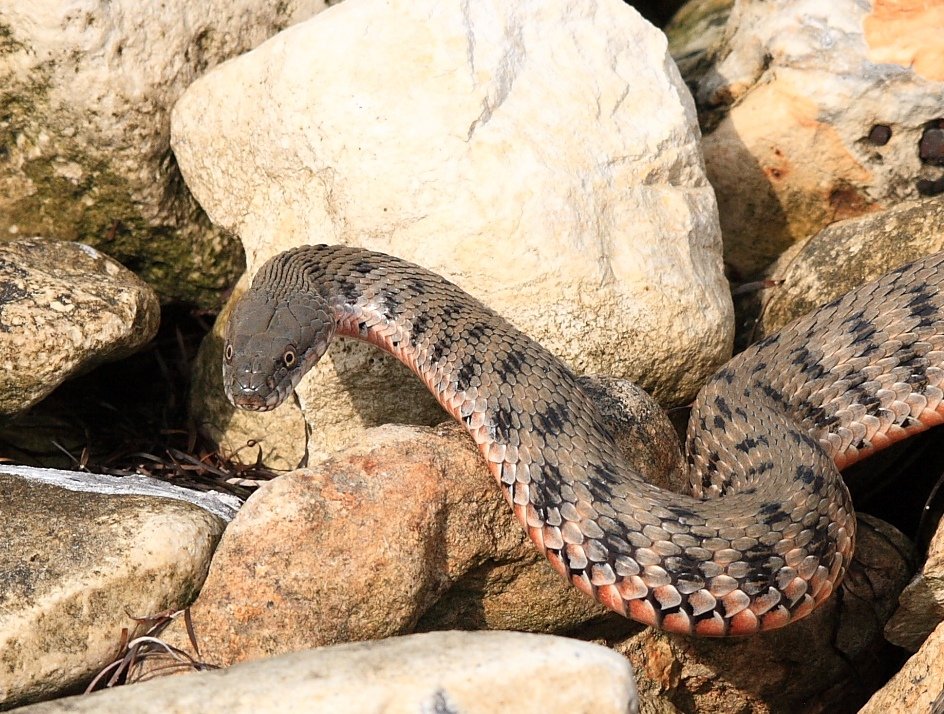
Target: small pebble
x: 931, y: 147
x: 880, y: 134
x: 926, y: 187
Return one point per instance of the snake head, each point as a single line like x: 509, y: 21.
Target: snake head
x: 270, y: 343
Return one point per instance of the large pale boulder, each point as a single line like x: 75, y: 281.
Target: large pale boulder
x: 65, y: 308
x: 85, y: 95
x: 542, y: 154
x: 83, y: 555
x: 469, y: 672
x: 815, y: 112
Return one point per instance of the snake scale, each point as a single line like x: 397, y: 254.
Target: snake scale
x: 768, y: 531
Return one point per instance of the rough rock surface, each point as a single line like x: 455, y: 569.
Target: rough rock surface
x: 845, y: 255
x: 405, y: 530
x: 85, y: 95
x: 451, y: 142
x: 814, y: 112
x: 82, y: 555
x: 919, y: 686
x: 469, y: 672
x: 64, y: 308
x: 921, y: 605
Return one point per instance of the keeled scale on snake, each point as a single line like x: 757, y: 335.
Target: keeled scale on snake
x: 769, y: 530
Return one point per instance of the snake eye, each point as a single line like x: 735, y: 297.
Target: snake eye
x: 228, y: 352
x: 289, y: 357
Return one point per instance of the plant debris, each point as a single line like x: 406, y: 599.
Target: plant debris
x: 131, y: 417
x: 147, y: 656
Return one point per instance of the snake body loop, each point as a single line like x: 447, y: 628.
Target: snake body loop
x: 769, y: 530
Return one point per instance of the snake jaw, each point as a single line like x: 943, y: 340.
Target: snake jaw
x: 250, y: 386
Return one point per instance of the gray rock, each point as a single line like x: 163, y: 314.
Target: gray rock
x: 82, y: 556
x: 221, y: 505
x: 468, y: 672
x: 64, y: 308
x: 919, y: 686
x: 85, y: 97
x: 845, y: 255
x: 921, y: 605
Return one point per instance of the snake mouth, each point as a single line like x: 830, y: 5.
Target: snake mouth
x: 253, y: 405
x: 254, y: 391
x: 254, y: 401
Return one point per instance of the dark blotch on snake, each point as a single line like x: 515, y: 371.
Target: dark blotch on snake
x: 510, y: 364
x: 466, y: 374
x: 501, y: 425
x: 420, y: 325
x: 749, y: 443
x: 553, y: 417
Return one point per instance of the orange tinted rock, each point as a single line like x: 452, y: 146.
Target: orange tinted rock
x: 812, y: 113
x: 405, y: 531
x: 907, y: 33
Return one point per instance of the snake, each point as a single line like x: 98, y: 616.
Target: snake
x: 768, y: 529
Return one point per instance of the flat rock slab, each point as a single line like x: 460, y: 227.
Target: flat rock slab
x: 64, y: 308
x: 80, y: 559
x: 468, y: 672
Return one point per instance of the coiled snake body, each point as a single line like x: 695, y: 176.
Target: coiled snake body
x: 769, y: 530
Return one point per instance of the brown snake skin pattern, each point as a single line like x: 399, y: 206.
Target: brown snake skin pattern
x: 769, y: 530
